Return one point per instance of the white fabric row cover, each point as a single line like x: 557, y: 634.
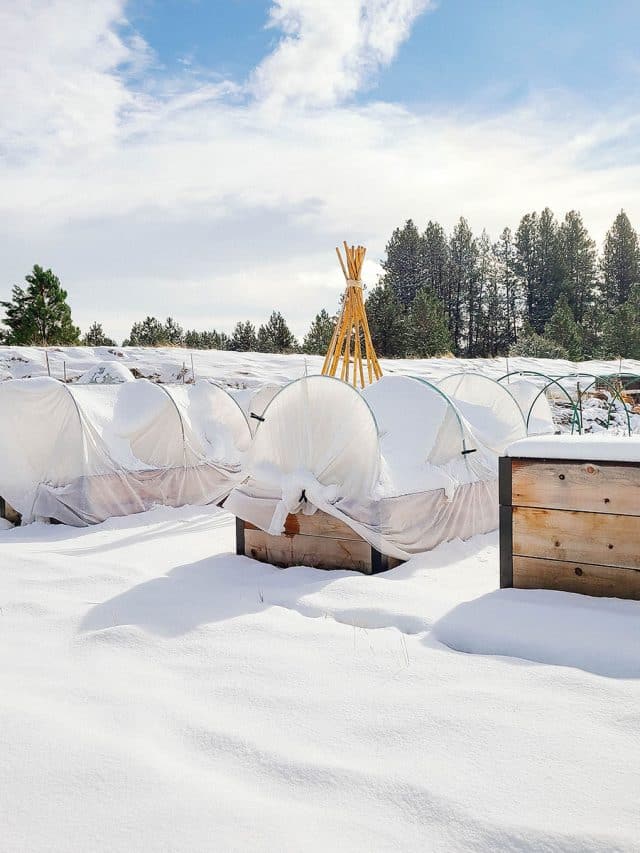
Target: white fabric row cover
x: 494, y: 414
x: 81, y: 454
x: 534, y: 405
x: 372, y: 458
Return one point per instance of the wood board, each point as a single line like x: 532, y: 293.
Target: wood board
x: 597, y: 538
x: 537, y: 573
x: 580, y: 486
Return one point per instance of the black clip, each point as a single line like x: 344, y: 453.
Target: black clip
x: 257, y: 417
x: 473, y: 450
x: 303, y: 496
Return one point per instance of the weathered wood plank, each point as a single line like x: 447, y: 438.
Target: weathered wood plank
x: 586, y: 486
x: 536, y: 573
x: 599, y: 539
x: 318, y: 524
x: 319, y: 552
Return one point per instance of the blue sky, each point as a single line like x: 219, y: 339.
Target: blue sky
x: 488, y: 53
x: 181, y: 157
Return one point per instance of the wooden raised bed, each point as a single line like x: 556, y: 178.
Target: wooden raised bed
x: 317, y: 540
x: 571, y: 525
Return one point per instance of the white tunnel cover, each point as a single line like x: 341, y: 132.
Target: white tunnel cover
x: 86, y: 453
x: 492, y: 413
x: 319, y: 437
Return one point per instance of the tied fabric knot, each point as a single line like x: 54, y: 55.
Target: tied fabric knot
x: 301, y: 492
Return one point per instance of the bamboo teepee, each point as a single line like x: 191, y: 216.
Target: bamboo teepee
x: 351, y: 344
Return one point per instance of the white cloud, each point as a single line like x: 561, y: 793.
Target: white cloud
x: 330, y: 50
x: 199, y: 204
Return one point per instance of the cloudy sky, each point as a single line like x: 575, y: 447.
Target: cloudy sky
x: 201, y: 158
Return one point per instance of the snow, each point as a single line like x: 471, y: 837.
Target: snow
x: 160, y: 693
x: 252, y: 370
x: 106, y: 373
x: 600, y: 447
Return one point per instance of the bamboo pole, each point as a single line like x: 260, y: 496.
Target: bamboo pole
x: 352, y: 325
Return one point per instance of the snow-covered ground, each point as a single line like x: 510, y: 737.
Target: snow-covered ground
x: 158, y: 693
x: 161, y: 694
x: 249, y: 370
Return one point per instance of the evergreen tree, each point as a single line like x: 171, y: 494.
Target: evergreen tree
x: 151, y: 332
x: 194, y: 339
x: 579, y: 263
x: 436, y: 260
x: 148, y: 333
x: 526, y: 261
x: 539, y: 262
x: 463, y: 275
x: 428, y: 331
x: 173, y: 333
x: 563, y: 330
x: 39, y: 315
x: 532, y: 345
x: 318, y: 338
x: 621, y: 330
x: 509, y: 284
x: 620, y: 261
x: 387, y: 322
x: 550, y: 269
x: 275, y: 336
x: 404, y: 266
x: 96, y: 337
x: 591, y: 329
x: 206, y: 340
x: 244, y: 338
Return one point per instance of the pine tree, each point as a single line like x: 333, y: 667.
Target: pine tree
x: 436, y: 259
x: 39, y: 315
x: 244, y: 338
x: 148, y: 333
x: 620, y: 261
x: 550, y: 269
x: 427, y: 328
x: 463, y: 274
x: 532, y: 345
x: 579, y: 263
x: 387, y: 322
x: 173, y: 333
x: 96, y: 337
x: 318, y: 338
x: 526, y: 261
x: 206, y: 340
x: 563, y: 330
x: 510, y: 285
x: 621, y: 330
x: 275, y: 336
x: 539, y: 262
x: 404, y: 266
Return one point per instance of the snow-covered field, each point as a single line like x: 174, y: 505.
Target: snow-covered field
x: 250, y: 370
x: 158, y: 693
x: 161, y: 694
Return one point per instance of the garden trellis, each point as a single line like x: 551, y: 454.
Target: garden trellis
x: 351, y: 349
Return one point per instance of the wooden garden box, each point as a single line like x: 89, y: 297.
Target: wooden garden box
x: 317, y: 540
x: 571, y: 524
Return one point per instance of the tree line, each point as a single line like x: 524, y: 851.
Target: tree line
x: 543, y: 291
